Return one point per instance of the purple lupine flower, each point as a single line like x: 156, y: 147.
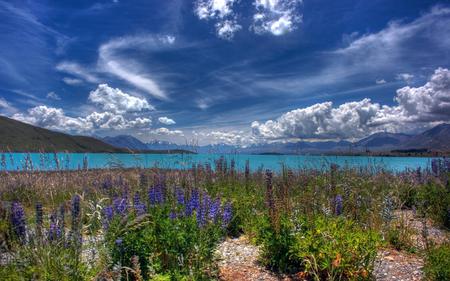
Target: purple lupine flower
x: 202, y: 213
x: 172, y: 215
x: 180, y: 195
x: 214, y: 210
x: 52, y: 232
x: 119, y: 242
x: 18, y: 221
x: 108, y: 212
x: 108, y: 215
x: 227, y: 214
x: 120, y: 205
x: 193, y: 203
x: 338, y: 205
x: 75, y: 207
x: 107, y: 183
x: 139, y: 207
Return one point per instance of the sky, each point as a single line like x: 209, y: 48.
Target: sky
x: 226, y: 71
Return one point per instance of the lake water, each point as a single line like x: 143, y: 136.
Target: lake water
x: 71, y: 161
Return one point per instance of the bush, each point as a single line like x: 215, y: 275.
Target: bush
x: 437, y: 263
x: 323, y: 248
x: 172, y: 238
x: 434, y: 201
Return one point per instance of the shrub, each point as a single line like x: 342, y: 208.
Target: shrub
x: 173, y: 237
x: 437, y: 263
x: 323, y: 248
x: 434, y: 201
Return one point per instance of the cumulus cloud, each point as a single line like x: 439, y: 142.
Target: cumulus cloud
x: 226, y: 29
x: 51, y: 118
x: 113, y: 99
x: 53, y: 96
x: 166, y: 132
x: 277, y: 17
x: 416, y: 107
x: 56, y: 119
x: 239, y: 138
x: 208, y: 9
x: 220, y: 11
x: 380, y: 81
x: 166, y: 121
x: 112, y: 62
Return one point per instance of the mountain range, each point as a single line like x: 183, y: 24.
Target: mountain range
x: 16, y: 136
x: 435, y: 139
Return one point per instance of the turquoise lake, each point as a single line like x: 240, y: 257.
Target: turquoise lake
x: 71, y: 161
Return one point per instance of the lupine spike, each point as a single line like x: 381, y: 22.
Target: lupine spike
x: 18, y: 221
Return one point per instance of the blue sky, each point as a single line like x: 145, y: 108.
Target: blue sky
x: 228, y: 71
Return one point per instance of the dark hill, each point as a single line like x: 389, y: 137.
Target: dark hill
x: 126, y: 141
x: 436, y: 138
x: 383, y: 141
x: 17, y: 136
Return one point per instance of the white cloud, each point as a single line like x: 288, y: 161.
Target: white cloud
x: 72, y: 81
x: 277, y: 17
x: 53, y: 96
x: 166, y: 121
x: 398, y: 40
x: 113, y: 99
x: 239, y: 138
x: 398, y: 47
x: 220, y: 11
x: 6, y: 107
x: 77, y: 70
x: 209, y: 9
x: 406, y: 77
x: 416, y: 107
x: 56, y: 119
x: 166, y: 132
x: 227, y: 28
x: 380, y: 81
x: 51, y: 118
x: 203, y: 103
x: 112, y: 62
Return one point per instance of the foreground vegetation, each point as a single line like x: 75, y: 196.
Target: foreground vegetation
x: 136, y: 224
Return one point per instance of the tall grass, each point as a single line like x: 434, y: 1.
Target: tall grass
x: 158, y: 223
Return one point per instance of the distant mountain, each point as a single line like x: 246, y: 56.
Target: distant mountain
x: 126, y: 141
x: 16, y: 136
x: 437, y: 138
x: 382, y: 142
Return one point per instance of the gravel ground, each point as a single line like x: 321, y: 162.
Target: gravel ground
x: 238, y: 258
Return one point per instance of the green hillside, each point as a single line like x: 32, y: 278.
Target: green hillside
x: 16, y: 136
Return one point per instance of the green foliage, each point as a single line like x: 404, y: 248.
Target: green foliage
x: 434, y: 201
x: 400, y: 236
x: 437, y: 263
x: 54, y: 261
x: 175, y: 248
x: 322, y: 248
